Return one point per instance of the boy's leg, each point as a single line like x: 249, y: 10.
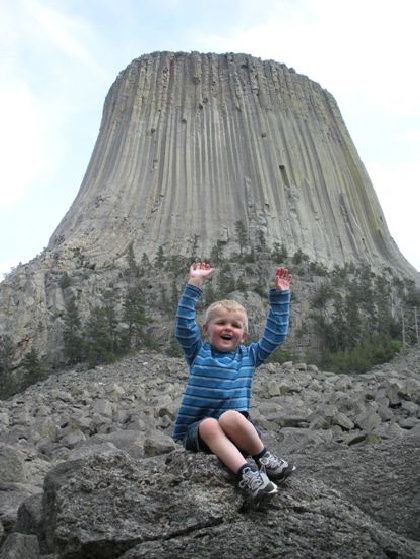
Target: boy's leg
x: 241, y: 432
x: 255, y: 483
x: 212, y: 434
x: 244, y: 435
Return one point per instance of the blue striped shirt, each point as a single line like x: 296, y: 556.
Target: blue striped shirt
x: 221, y: 381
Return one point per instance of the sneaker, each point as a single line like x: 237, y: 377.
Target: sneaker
x: 256, y: 484
x: 274, y: 467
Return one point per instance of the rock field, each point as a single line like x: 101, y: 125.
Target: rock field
x: 88, y: 468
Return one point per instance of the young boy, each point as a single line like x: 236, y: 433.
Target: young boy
x: 214, y: 413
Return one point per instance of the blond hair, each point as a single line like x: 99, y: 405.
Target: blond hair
x: 229, y: 305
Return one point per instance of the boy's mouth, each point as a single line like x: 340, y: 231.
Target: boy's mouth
x: 226, y: 336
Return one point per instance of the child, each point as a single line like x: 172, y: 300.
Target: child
x: 214, y: 414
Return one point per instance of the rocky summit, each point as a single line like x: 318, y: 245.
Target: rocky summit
x: 88, y: 468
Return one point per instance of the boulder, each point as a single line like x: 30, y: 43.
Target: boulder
x: 187, y: 505
x: 20, y: 546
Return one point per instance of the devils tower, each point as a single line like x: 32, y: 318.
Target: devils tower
x: 191, y: 145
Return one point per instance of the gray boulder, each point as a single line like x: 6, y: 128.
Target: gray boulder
x: 20, y: 546
x: 186, y: 505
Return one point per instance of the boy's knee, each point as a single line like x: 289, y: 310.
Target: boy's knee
x: 208, y: 428
x: 231, y: 418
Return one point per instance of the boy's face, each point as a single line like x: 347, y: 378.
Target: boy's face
x: 226, y: 329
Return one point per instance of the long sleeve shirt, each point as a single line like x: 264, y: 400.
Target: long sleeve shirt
x: 220, y: 381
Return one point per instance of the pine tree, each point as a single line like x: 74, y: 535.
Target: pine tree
x: 98, y: 340
x: 109, y: 310
x: 145, y: 262
x: 32, y: 366
x: 279, y: 253
x: 216, y: 254
x: 135, y: 315
x: 73, y: 341
x: 262, y: 243
x: 6, y: 358
x: 160, y: 258
x: 133, y: 268
x: 241, y: 235
x: 174, y: 296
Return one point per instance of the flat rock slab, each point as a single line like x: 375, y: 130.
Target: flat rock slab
x: 185, y: 505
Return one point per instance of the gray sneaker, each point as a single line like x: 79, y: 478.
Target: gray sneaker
x: 257, y: 485
x: 274, y: 467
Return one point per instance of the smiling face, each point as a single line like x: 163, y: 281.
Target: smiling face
x: 226, y: 327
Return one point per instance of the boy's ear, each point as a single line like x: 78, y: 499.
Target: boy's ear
x: 205, y: 329
x: 244, y: 336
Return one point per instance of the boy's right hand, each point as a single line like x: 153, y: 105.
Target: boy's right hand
x: 200, y: 271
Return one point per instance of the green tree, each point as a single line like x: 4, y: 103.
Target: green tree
x: 6, y: 353
x: 160, y: 258
x: 241, y: 235
x: 299, y: 257
x: 72, y: 335
x: 32, y: 367
x: 145, y: 262
x: 261, y: 242
x: 98, y: 343
x: 225, y: 282
x: 109, y: 303
x: 6, y: 358
x: 174, y: 296
x: 135, y: 315
x: 65, y: 281
x: 133, y: 268
x: 216, y: 254
x: 279, y: 252
x: 321, y: 297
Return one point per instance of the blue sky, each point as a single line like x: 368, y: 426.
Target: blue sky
x: 59, y: 58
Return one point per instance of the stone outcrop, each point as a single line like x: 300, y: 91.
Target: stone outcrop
x: 109, y: 505
x: 88, y: 469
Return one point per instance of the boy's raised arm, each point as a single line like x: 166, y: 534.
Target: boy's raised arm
x: 199, y: 272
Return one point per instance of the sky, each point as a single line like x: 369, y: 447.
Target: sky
x: 59, y: 58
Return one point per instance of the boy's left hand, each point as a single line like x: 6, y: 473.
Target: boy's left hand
x: 283, y: 278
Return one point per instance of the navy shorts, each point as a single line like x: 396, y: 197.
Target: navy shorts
x: 192, y: 440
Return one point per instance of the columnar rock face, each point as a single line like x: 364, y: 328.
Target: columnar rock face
x: 190, y: 144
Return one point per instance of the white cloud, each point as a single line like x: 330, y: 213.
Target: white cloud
x: 23, y: 142
x: 361, y: 48
x: 398, y: 188
x: 46, y: 55
x: 38, y: 27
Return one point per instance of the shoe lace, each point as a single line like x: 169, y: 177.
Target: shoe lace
x: 271, y: 461
x: 251, y: 479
